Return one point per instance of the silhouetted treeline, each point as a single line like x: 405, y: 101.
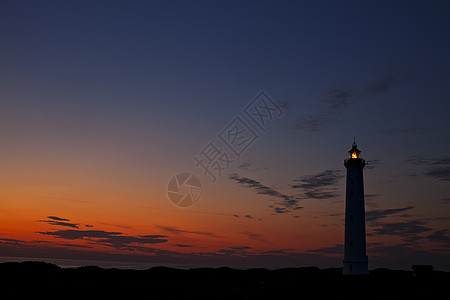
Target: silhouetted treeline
x: 33, y: 279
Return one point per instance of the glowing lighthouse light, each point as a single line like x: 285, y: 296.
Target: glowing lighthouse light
x: 354, y: 152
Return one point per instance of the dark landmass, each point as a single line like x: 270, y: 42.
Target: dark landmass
x: 33, y: 279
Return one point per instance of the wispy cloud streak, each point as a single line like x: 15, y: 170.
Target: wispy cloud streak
x: 284, y: 204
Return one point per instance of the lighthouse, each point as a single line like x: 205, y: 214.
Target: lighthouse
x: 355, y: 258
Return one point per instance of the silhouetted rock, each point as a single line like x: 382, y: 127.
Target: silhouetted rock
x: 34, y: 279
x: 422, y: 271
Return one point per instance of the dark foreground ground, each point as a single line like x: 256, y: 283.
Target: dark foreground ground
x: 33, y: 279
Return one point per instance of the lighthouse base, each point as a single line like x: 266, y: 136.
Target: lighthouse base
x: 356, y: 267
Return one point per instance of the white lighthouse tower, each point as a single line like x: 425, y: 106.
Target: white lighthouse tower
x: 355, y: 258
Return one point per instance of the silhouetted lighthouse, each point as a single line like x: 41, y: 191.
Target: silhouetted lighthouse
x: 355, y: 258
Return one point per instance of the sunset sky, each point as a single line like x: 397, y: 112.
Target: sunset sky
x: 103, y: 102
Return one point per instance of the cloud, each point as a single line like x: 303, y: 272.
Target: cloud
x: 312, y: 123
x: 285, y: 203
x: 251, y: 166
x: 279, y: 251
x: 385, y: 84
x: 381, y: 86
x: 381, y: 222
x: 284, y: 105
x: 428, y: 161
x: 406, y: 130
x: 442, y: 161
x: 121, y: 226
x: 377, y: 214
x: 325, y: 178
x: 321, y: 194
x: 394, y: 256
x: 402, y: 256
x: 439, y: 173
x: 407, y: 229
x: 256, y: 185
x: 337, y: 249
x: 71, y: 234
x: 439, y: 219
x: 235, y: 251
x: 440, y: 236
x: 125, y: 241
x: 248, y: 217
x: 445, y: 200
x: 319, y: 180
x: 372, y: 164
x: 241, y: 248
x: 76, y: 246
x: 57, y: 218
x: 183, y: 245
x: 334, y: 101
x: 115, y: 240
x: 8, y: 241
x: 437, y: 168
x: 337, y: 99
x: 283, y: 209
x: 336, y: 215
x: 244, y: 166
x: 370, y: 200
x: 176, y: 230
x: 320, y: 185
x: 256, y: 237
x: 56, y: 221
x: 418, y: 160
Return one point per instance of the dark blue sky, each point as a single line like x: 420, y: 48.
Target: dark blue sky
x: 155, y: 55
